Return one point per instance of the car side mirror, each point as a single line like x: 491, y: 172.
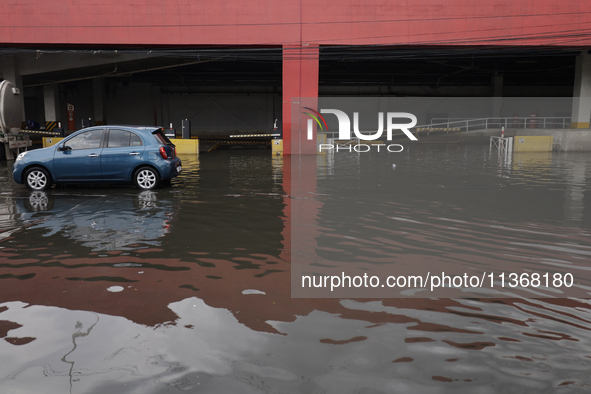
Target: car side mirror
x: 62, y: 148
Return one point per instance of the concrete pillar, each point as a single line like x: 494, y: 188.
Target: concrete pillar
x: 157, y: 103
x: 10, y: 72
x: 581, y: 112
x: 51, y: 102
x: 300, y: 80
x: 497, y: 90
x: 98, y: 89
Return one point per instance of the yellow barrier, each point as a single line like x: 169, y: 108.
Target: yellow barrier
x: 580, y: 125
x: 528, y: 143
x: 186, y: 146
x: 277, y: 147
x: 51, y: 141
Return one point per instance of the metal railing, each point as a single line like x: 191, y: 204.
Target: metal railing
x: 526, y: 122
x: 464, y: 124
x: 335, y: 136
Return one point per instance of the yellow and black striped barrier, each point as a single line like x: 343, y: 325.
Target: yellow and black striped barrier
x: 254, y: 135
x: 50, y: 125
x: 218, y: 143
x: 44, y: 132
x: 239, y: 142
x: 99, y: 123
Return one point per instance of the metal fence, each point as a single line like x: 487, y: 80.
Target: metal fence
x: 528, y: 122
x: 464, y: 124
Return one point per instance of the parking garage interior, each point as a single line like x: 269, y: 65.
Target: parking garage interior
x: 229, y: 90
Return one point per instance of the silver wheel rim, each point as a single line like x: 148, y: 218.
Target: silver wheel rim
x: 36, y: 179
x: 146, y: 179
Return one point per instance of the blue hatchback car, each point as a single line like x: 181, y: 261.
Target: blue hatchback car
x: 103, y: 154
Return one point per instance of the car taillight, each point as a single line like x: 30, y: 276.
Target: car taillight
x: 163, y: 153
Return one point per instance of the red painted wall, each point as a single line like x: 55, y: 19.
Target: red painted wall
x: 279, y: 22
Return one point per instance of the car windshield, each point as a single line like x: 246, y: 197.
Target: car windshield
x: 163, y: 139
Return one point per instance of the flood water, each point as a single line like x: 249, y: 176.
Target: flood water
x: 189, y: 288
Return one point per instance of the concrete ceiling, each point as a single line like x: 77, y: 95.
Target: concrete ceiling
x: 365, y: 66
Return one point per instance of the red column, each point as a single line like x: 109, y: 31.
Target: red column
x: 300, y: 80
x: 302, y: 213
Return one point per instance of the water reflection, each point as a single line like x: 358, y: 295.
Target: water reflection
x: 378, y: 346
x: 89, y: 304
x: 443, y: 209
x: 99, y: 221
x: 574, y: 205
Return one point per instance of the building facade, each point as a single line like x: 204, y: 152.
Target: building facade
x: 238, y: 65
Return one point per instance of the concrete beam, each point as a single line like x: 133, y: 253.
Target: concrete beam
x: 31, y: 64
x: 581, y: 112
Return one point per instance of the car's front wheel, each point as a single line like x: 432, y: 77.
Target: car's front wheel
x: 38, y: 179
x: 147, y: 178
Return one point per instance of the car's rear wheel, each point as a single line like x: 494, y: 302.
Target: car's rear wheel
x: 146, y: 178
x: 38, y: 179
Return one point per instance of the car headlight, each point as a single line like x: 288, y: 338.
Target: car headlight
x: 20, y: 156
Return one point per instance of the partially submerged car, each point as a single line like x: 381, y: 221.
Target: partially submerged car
x: 143, y: 156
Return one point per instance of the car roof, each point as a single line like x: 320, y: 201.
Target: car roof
x: 133, y: 127
x: 141, y: 129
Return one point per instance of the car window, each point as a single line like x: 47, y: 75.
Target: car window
x: 87, y: 140
x: 135, y: 140
x: 119, y: 138
x: 161, y: 138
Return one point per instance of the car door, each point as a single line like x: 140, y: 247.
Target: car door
x: 78, y: 158
x: 122, y: 152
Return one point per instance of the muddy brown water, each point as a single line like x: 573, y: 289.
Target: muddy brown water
x: 188, y: 288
